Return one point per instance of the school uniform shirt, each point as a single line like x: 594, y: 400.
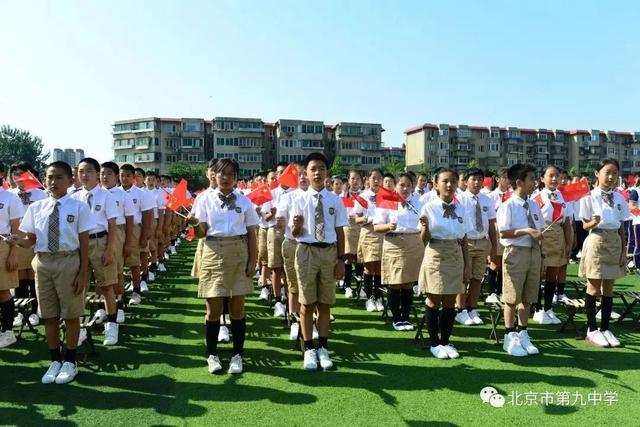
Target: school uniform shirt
x: 370, y: 211
x: 407, y: 220
x: 73, y: 189
x: 124, y: 204
x: 351, y: 211
x: 485, y: 190
x: 611, y: 215
x: 103, y: 206
x: 334, y: 213
x: 276, y: 193
x: 419, y: 192
x: 497, y: 196
x: 512, y: 215
x: 634, y: 193
x: 547, y: 208
x: 29, y: 196
x: 10, y: 208
x: 142, y: 202
x: 232, y: 219
x: 285, y: 204
x: 487, y: 212
x: 199, y: 197
x: 445, y: 228
x: 161, y: 201
x: 429, y: 196
x: 75, y: 218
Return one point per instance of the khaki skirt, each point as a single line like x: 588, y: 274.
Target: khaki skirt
x: 351, y: 238
x: 370, y: 244
x: 218, y: 278
x: 442, y: 268
x: 195, y: 268
x: 25, y: 256
x: 601, y: 255
x: 553, y: 246
x: 401, y: 257
x: 8, y: 279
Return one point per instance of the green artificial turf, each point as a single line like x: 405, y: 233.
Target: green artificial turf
x: 157, y: 374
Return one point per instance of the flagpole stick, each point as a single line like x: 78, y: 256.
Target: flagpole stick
x: 551, y: 225
x: 178, y: 213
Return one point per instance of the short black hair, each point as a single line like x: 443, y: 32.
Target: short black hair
x: 374, y: 170
x: 503, y: 171
x: 140, y: 171
x: 128, y: 168
x: 91, y: 161
x: 473, y: 172
x: 61, y: 165
x: 151, y: 173
x: 315, y: 156
x: 3, y: 168
x: 519, y: 171
x: 22, y: 166
x: 283, y: 164
x: 222, y: 164
x: 604, y: 162
x: 211, y: 163
x: 440, y: 171
x: 410, y: 176
x: 422, y: 174
x: 389, y: 175
x: 113, y: 166
x: 546, y: 168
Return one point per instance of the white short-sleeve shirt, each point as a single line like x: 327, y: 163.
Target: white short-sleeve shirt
x: 103, y: 206
x: 285, y: 205
x: 610, y: 216
x: 276, y: 193
x: 124, y: 205
x: 445, y: 228
x: 370, y: 211
x: 222, y: 221
x: 487, y: 210
x: 334, y: 213
x: 10, y: 208
x: 513, y: 216
x: 142, y: 202
x: 547, y: 207
x: 29, y: 196
x: 406, y: 218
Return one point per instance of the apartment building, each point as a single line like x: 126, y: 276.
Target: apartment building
x: 430, y: 146
x: 68, y: 155
x: 359, y: 145
x: 295, y: 139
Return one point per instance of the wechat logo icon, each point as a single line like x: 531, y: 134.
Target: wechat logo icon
x: 491, y: 396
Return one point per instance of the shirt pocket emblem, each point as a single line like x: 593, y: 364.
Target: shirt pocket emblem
x: 535, y: 216
x: 460, y: 220
x: 1, y: 205
x: 135, y: 201
x: 485, y: 209
x: 98, y: 207
x: 619, y: 207
x: 332, y: 211
x: 238, y: 209
x: 71, y: 219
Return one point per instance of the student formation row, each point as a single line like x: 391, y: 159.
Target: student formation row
x: 304, y: 231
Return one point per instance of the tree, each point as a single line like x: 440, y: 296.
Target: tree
x: 393, y: 167
x: 573, y: 171
x: 473, y: 164
x: 193, y: 173
x: 17, y: 145
x: 337, y: 168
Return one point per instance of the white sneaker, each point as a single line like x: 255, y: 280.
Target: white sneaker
x: 579, y: 254
x: 279, y: 309
x: 52, y: 373
x: 561, y: 299
x: 135, y: 299
x: 18, y: 320
x: 340, y: 283
x: 439, y: 352
x: 451, y: 351
x: 325, y: 360
x: 363, y: 294
x: 475, y: 318
x: 100, y: 316
x: 492, y: 299
x: 611, y: 339
x: 143, y: 286
x: 151, y: 276
x: 512, y: 345
x: 110, y: 333
x: 348, y: 293
x: 82, y: 337
x: 408, y: 326
x: 614, y: 315
x: 525, y: 342
x: 463, y: 318
x: 173, y: 250
x: 166, y: 255
x: 315, y: 335
x: 542, y: 318
x: 223, y: 334
x: 294, y: 332
x: 67, y: 373
x: 264, y: 294
x: 120, y: 317
x: 161, y: 267
x: 213, y: 364
x: 310, y: 360
x: 631, y: 264
x: 7, y: 338
x: 370, y: 305
x: 551, y: 315
x: 398, y: 326
x: 34, y: 320
x: 596, y: 339
x: 235, y: 366
x: 379, y: 305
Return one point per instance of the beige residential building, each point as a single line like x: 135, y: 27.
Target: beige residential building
x: 359, y: 145
x: 242, y: 139
x: 295, y: 139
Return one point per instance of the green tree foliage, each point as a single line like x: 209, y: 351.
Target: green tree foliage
x: 473, y: 164
x: 18, y: 145
x: 337, y: 168
x: 394, y: 167
x: 193, y: 173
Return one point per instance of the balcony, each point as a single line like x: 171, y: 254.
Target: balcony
x: 122, y: 147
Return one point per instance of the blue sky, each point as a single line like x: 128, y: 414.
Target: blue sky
x: 69, y: 69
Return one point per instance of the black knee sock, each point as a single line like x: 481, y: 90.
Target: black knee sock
x: 348, y: 270
x: 211, y: 333
x: 606, y: 307
x: 7, y: 313
x: 560, y: 289
x: 22, y: 291
x: 499, y: 282
x: 549, y: 291
x: 446, y: 324
x: 359, y: 269
x: 70, y: 355
x: 144, y: 276
x: 225, y: 305
x: 56, y: 354
x: 590, y: 309
x: 120, y: 304
x: 434, y: 326
x: 368, y: 285
x: 406, y: 299
x: 539, y: 304
x: 323, y: 342
x: 112, y: 318
x: 394, y: 304
x: 308, y: 345
x: 492, y: 281
x: 238, y: 331
x: 377, y: 283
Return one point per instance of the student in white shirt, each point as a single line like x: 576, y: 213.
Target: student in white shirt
x: 421, y: 185
x: 604, y: 251
x: 227, y: 220
x: 562, y: 273
x: 59, y: 228
x: 145, y: 252
x: 263, y: 247
x: 402, y: 250
x: 352, y: 234
x: 501, y: 193
x: 520, y: 223
x: 157, y: 225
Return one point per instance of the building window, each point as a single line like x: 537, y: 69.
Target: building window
x: 443, y: 159
x: 494, y: 147
x: 611, y: 151
x: 444, y: 145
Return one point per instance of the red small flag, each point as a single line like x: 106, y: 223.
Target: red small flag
x: 625, y: 194
x: 505, y: 196
x: 179, y: 196
x: 387, y: 199
x: 29, y: 180
x: 274, y: 185
x: 289, y: 177
x: 260, y: 195
x: 190, y: 234
x: 487, y: 182
x: 538, y: 200
x: 572, y: 192
x: 631, y: 180
x: 557, y: 211
x: 362, y: 202
x: 635, y: 211
x: 348, y: 202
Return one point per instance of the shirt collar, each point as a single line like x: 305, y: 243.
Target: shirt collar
x: 62, y: 200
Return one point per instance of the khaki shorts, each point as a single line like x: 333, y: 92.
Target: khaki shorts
x: 601, y: 256
x: 223, y: 266
x: 521, y: 274
x: 262, y: 246
x: 55, y: 276
x: 25, y: 256
x: 119, y: 245
x: 315, y: 269
x: 289, y: 258
x: 153, y: 242
x: 401, y: 258
x: 478, y: 251
x: 275, y: 237
x: 103, y: 276
x: 442, y: 268
x: 133, y: 260
x: 8, y: 279
x: 370, y: 244
x: 553, y: 246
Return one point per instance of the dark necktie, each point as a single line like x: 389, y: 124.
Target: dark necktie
x: 228, y: 201
x: 53, y: 232
x: 449, y: 210
x: 25, y: 197
x: 319, y: 219
x: 479, y: 225
x: 420, y: 191
x: 530, y: 220
x: 608, y: 198
x: 553, y: 196
x: 89, y: 200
